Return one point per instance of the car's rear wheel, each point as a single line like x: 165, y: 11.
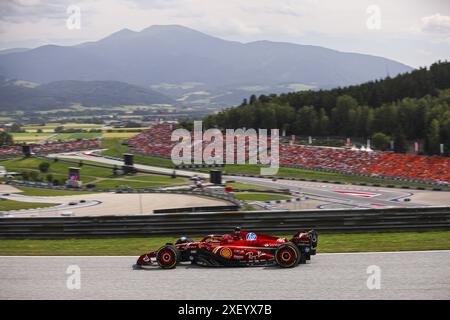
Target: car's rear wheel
x: 167, y: 257
x: 287, y: 255
x: 314, y: 240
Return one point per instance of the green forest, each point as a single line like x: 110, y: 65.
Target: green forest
x: 413, y: 106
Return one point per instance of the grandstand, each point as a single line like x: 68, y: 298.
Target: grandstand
x: 63, y: 146
x: 156, y: 142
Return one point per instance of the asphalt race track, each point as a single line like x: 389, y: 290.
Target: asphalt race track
x: 404, y: 275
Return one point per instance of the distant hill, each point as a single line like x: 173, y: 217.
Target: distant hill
x: 13, y: 50
x: 193, y: 66
x: 24, y: 95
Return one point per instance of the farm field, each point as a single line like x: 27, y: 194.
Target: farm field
x: 81, y: 135
x: 49, y: 127
x: 119, y: 134
x: 36, y: 137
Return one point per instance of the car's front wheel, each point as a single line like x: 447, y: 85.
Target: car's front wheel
x: 287, y: 255
x: 168, y: 257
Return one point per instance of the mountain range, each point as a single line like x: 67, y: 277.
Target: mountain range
x: 195, y: 68
x: 24, y: 95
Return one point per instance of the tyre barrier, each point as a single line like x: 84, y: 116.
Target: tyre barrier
x: 197, y: 209
x: 331, y: 220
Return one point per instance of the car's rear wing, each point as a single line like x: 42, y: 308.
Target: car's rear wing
x: 307, y: 238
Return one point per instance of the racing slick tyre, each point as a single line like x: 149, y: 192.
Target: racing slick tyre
x: 287, y: 255
x: 168, y: 256
x: 303, y: 258
x: 314, y: 240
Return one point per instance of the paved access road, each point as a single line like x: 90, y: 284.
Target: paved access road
x: 404, y: 275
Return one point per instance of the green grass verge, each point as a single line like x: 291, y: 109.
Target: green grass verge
x: 41, y: 192
x: 358, y: 242
x: 253, y: 196
x: 7, y: 205
x: 157, y: 179
x: 238, y: 185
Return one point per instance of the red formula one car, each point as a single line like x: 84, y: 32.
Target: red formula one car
x: 236, y: 249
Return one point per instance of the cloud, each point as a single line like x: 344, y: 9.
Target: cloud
x: 27, y: 2
x: 32, y: 10
x: 436, y: 23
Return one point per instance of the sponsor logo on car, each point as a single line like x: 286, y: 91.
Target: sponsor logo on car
x: 271, y: 245
x: 251, y: 236
x: 253, y: 256
x: 226, y: 253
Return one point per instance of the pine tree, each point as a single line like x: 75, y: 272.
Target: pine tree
x: 433, y: 137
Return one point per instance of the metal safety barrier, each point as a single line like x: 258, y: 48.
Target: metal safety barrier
x: 355, y: 220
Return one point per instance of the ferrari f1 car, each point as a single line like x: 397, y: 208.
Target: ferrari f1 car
x: 239, y: 248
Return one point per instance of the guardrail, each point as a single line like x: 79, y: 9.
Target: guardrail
x: 197, y: 209
x: 356, y: 220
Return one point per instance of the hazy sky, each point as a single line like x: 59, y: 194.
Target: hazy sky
x: 415, y: 32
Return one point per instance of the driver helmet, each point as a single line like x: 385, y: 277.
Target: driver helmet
x: 237, y: 235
